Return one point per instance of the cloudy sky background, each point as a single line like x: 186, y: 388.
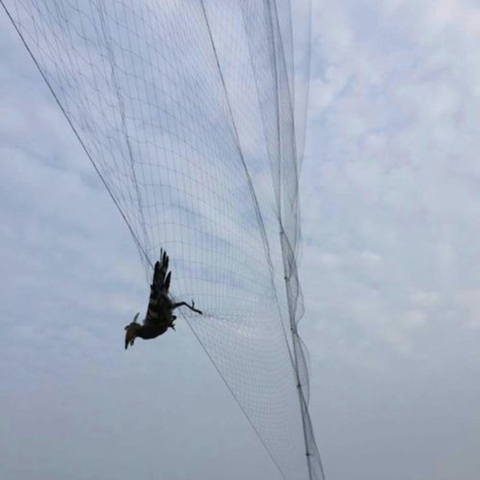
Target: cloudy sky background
x: 389, y: 271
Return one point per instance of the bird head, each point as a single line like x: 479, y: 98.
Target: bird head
x: 131, y: 331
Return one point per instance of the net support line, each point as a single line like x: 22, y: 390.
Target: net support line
x: 121, y: 105
x: 294, y: 356
x: 260, y: 225
x: 287, y: 248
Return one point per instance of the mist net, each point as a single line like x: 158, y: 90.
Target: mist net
x: 193, y: 114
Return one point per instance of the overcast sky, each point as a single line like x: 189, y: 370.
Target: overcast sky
x: 390, y: 272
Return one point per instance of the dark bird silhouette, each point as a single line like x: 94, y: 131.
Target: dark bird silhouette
x: 159, y: 316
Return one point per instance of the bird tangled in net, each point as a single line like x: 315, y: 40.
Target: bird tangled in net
x: 159, y: 316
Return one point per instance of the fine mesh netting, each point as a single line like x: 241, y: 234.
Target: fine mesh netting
x: 193, y: 114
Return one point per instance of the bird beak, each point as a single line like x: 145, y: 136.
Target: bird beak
x: 129, y: 336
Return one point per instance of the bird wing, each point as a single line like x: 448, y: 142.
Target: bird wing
x: 159, y: 305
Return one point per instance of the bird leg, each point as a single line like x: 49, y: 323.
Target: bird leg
x: 185, y: 304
